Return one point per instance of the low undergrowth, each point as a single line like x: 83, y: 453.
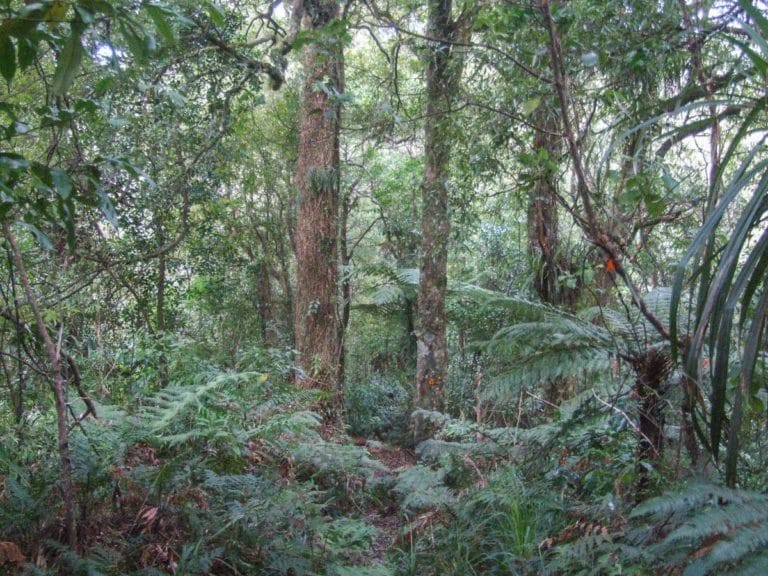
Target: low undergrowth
x: 230, y: 472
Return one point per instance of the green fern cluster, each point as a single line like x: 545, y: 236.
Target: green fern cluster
x: 706, y: 529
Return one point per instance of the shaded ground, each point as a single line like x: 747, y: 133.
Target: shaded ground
x: 387, y: 517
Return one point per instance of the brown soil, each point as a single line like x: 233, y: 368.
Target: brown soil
x: 387, y: 518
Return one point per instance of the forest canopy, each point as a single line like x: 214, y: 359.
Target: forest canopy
x: 383, y: 287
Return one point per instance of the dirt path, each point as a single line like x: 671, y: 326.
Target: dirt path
x: 387, y: 517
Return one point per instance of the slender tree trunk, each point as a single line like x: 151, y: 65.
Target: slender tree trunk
x: 285, y: 285
x: 543, y: 240
x: 264, y: 291
x: 59, y: 393
x: 317, y: 179
x: 346, y: 287
x: 262, y: 278
x: 443, y: 75
x: 19, y: 403
x: 162, y: 366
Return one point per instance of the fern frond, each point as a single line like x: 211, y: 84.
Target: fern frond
x: 296, y: 425
x: 516, y: 308
x: 710, y: 528
x: 756, y: 566
x: 388, y: 298
x: 693, y: 497
x: 170, y: 405
x: 331, y: 460
x: 421, y: 488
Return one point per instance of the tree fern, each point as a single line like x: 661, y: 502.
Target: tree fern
x: 552, y: 344
x: 396, y: 288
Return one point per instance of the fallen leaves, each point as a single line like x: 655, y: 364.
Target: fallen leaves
x: 10, y: 553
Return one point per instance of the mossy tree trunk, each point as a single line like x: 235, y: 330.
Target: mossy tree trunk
x: 443, y: 75
x: 316, y: 319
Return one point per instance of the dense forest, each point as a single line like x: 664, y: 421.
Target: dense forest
x: 383, y: 287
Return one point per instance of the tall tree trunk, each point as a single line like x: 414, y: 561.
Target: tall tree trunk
x: 443, y: 75
x: 317, y: 179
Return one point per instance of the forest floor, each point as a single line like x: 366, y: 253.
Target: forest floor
x: 387, y: 518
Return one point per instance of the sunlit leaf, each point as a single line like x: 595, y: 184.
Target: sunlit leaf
x: 530, y: 106
x: 69, y: 62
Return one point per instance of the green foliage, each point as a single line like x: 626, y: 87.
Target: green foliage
x: 422, y: 488
x: 495, y: 528
x: 542, y: 345
x: 235, y: 451
x: 141, y: 154
x: 705, y: 529
x: 378, y: 406
x: 728, y: 257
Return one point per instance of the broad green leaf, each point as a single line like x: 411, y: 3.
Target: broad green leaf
x: 11, y: 161
x: 98, y: 6
x: 27, y: 50
x: 107, y: 208
x: 176, y: 98
x: 159, y: 18
x: 140, y: 44
x: 6, y: 195
x: 21, y: 128
x: 69, y: 62
x: 57, y: 11
x: 61, y: 182
x: 31, y: 9
x: 757, y: 16
x: 66, y: 210
x: 104, y: 85
x: 756, y: 38
x: 760, y: 63
x: 86, y: 105
x: 41, y: 237
x: 7, y: 58
x: 85, y: 14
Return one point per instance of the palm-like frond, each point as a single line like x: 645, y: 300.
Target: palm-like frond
x: 730, y: 276
x: 398, y: 287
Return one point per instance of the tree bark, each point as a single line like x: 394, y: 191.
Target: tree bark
x: 443, y: 75
x: 346, y: 286
x: 543, y: 239
x: 59, y: 393
x: 317, y: 179
x: 162, y: 364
